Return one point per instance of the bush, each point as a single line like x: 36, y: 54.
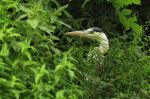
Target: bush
x: 31, y: 65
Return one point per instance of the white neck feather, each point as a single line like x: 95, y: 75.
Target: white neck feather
x: 104, y: 43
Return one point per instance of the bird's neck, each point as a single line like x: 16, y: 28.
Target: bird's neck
x: 104, y: 43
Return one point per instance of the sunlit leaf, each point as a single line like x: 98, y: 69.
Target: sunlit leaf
x: 60, y: 95
x: 16, y: 93
x: 20, y: 85
x: 25, y: 45
x: 59, y: 10
x: 126, y: 12
x: 41, y: 73
x: 137, y: 28
x: 54, y: 37
x: 136, y: 1
x: 3, y: 66
x: 25, y: 9
x: 29, y: 63
x: 124, y: 21
x: 57, y: 78
x: 2, y: 35
x: 28, y: 55
x: 13, y: 35
x: 21, y: 17
x: 4, y: 50
x: 55, y: 50
x: 3, y: 81
x: 13, y: 81
x: 53, y: 18
x: 64, y: 24
x: 33, y: 22
x: 48, y: 29
x: 71, y: 73
x: 10, y: 30
x: 59, y: 67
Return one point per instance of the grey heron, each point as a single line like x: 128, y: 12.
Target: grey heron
x: 98, y: 54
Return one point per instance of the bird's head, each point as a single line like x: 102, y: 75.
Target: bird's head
x: 94, y: 34
x: 91, y: 33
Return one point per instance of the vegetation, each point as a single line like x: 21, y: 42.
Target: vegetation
x: 37, y: 61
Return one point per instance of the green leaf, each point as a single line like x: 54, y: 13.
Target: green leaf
x: 57, y: 4
x: 3, y: 81
x: 136, y: 1
x: 124, y: 21
x: 10, y: 30
x: 126, y: 12
x: 53, y: 18
x: 20, y: 85
x: 14, y: 35
x: 29, y: 63
x: 2, y: 35
x: 71, y: 74
x: 73, y: 96
x: 118, y: 3
x: 48, y: 29
x: 60, y: 94
x: 58, y: 11
x: 33, y: 22
x: 128, y: 2
x: 85, y: 2
x: 13, y: 81
x: 21, y: 17
x: 132, y: 19
x: 16, y: 93
x: 4, y: 50
x: 57, y: 79
x: 54, y: 37
x: 3, y: 66
x: 59, y: 67
x: 137, y: 28
x: 40, y: 73
x: 57, y: 51
x: 28, y: 54
x: 16, y: 62
x: 62, y: 23
x: 25, y: 9
x: 25, y: 45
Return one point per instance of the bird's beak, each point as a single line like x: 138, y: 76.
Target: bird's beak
x: 76, y: 33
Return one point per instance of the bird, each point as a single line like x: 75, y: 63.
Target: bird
x: 91, y: 77
x: 94, y: 33
x: 96, y: 55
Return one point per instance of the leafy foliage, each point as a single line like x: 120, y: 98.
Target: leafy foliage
x: 28, y: 53
x: 127, y: 16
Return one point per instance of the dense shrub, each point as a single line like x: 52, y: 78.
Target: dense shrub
x: 31, y: 65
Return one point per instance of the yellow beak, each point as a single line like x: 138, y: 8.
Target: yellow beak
x: 76, y: 33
